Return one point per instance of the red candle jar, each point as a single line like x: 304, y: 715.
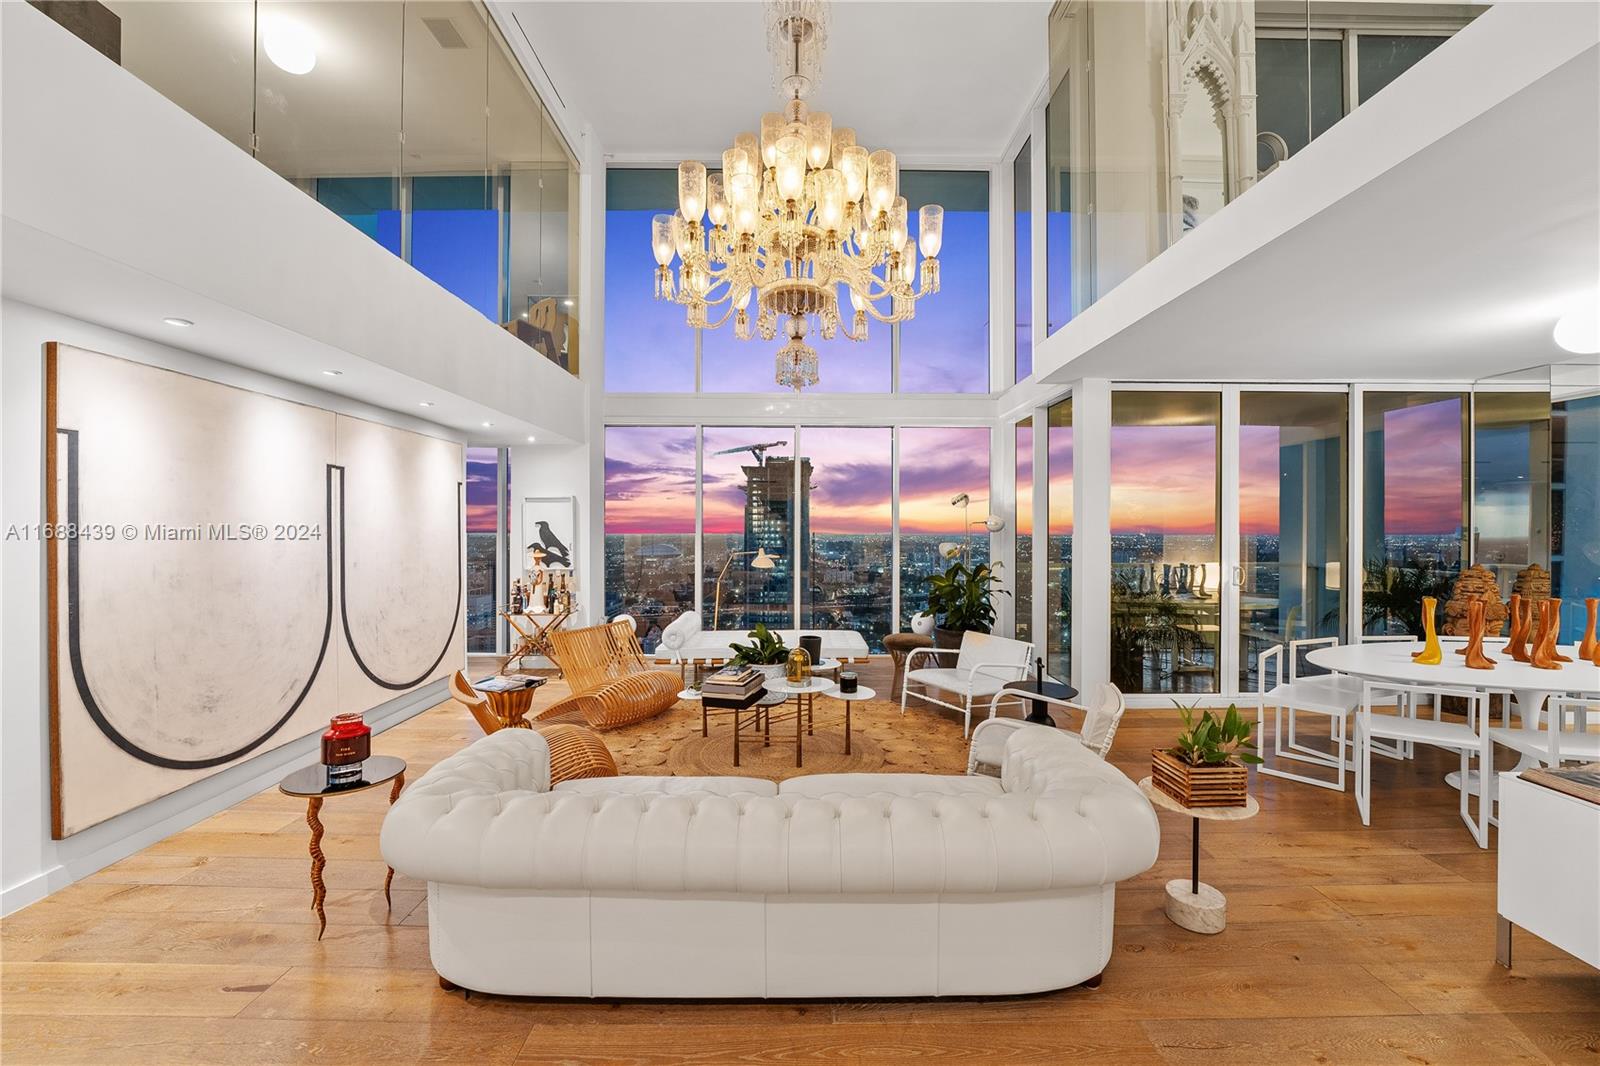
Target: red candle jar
x: 348, y: 740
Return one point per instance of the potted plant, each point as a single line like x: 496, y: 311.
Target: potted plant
x: 765, y: 652
x: 962, y: 598
x: 1206, y: 766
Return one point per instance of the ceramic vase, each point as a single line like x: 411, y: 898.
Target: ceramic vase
x: 1590, y: 646
x: 1430, y: 655
x: 1521, y: 619
x: 1476, y: 659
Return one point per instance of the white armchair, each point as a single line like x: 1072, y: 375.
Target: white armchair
x: 983, y: 666
x: 1101, y: 716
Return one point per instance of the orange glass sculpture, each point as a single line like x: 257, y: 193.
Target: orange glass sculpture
x: 1590, y: 645
x: 1431, y: 654
x: 1545, y: 656
x: 1521, y: 622
x: 1476, y: 659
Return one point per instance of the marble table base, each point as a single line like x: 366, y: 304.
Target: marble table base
x: 1205, y: 912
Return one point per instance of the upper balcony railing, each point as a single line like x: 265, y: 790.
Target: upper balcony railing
x: 412, y: 121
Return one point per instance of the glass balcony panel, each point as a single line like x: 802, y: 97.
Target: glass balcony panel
x: 328, y: 106
x: 199, y: 56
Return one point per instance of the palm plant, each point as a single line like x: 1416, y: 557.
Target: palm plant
x: 1392, y: 595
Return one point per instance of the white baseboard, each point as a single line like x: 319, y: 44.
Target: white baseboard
x: 136, y: 830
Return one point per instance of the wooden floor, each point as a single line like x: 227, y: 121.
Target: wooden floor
x: 1345, y: 945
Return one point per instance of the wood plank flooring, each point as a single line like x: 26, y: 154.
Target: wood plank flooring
x: 1346, y: 946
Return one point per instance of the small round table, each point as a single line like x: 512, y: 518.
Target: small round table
x: 1039, y: 694
x: 804, y: 694
x: 1193, y: 904
x: 311, y: 784
x: 511, y: 704
x: 862, y: 693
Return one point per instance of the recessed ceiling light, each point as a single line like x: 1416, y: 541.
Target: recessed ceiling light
x: 425, y: 403
x: 290, y: 46
x: 1578, y: 331
x: 334, y: 373
x: 531, y: 438
x: 487, y: 425
x: 182, y: 323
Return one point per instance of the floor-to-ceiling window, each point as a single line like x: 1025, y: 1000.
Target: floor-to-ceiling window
x: 945, y: 347
x: 650, y: 525
x: 846, y: 578
x: 1414, y: 487
x: 939, y: 465
x: 1165, y: 564
x: 487, y: 517
x: 1059, y: 281
x: 1058, y: 590
x: 1291, y: 520
x: 649, y: 347
x: 1022, y: 260
x: 748, y: 487
x: 1510, y: 479
x: 1024, y: 531
x: 1575, y: 501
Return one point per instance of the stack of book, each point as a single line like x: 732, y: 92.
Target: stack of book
x: 733, y: 683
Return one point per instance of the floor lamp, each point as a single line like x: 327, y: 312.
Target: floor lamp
x: 762, y: 561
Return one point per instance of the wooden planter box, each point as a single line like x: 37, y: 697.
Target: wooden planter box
x: 1199, y: 786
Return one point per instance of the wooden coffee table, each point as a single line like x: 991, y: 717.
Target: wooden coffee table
x: 511, y: 705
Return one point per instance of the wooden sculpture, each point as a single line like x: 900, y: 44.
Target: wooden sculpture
x: 1476, y: 659
x: 1545, y: 656
x: 1430, y: 655
x: 1590, y: 646
x: 1476, y: 584
x: 1532, y: 583
x: 1521, y: 622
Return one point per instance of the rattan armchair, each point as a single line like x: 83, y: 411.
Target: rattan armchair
x: 612, y: 685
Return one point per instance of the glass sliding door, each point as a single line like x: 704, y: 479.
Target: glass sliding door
x: 748, y: 484
x: 938, y: 465
x: 1057, y: 652
x: 1165, y: 562
x: 846, y: 576
x: 1414, y: 486
x: 649, y: 525
x: 1024, y: 530
x: 1291, y: 520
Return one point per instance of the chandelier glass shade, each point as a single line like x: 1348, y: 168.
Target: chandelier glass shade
x: 800, y: 220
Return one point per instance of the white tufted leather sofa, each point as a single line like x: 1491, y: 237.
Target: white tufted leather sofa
x: 831, y: 885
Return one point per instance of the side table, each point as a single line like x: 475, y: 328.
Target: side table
x: 862, y: 693
x: 510, y: 703
x: 1193, y: 904
x: 900, y: 645
x: 311, y: 784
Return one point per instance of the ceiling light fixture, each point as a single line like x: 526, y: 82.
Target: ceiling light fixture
x: 334, y: 373
x: 181, y: 323
x: 488, y: 425
x: 1578, y: 331
x: 531, y: 438
x: 425, y: 403
x: 290, y: 46
x: 796, y: 215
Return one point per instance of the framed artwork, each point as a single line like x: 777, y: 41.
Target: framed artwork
x: 240, y: 567
x: 550, y: 533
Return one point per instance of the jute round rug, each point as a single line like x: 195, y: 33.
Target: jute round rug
x: 882, y: 741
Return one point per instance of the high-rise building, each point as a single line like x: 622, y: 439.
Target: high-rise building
x: 770, y: 525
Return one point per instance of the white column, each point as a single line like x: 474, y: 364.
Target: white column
x: 1091, y: 533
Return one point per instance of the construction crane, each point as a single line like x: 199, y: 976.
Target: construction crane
x: 757, y: 450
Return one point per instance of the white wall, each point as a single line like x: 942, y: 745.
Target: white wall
x: 562, y: 470
x: 32, y: 864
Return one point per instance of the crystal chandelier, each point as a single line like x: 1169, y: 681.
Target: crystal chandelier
x: 795, y: 215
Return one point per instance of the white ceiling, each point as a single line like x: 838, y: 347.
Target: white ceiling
x: 659, y: 81
x: 1453, y: 265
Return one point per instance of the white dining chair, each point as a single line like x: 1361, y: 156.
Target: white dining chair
x: 1553, y: 742
x: 1470, y: 739
x: 1335, y: 696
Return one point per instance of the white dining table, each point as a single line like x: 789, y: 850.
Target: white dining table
x: 1529, y: 685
